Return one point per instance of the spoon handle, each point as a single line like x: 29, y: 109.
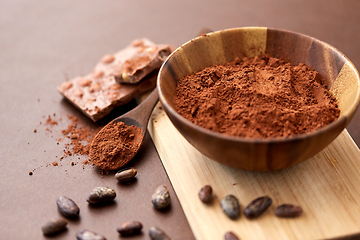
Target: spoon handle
x: 143, y: 111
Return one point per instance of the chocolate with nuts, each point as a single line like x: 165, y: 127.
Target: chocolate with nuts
x: 145, y: 57
x: 134, y: 62
x: 100, y: 91
x: 97, y: 95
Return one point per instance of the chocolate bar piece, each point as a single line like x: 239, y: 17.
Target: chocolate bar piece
x: 99, y: 92
x: 97, y: 96
x: 133, y: 63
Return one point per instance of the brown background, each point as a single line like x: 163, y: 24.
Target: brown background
x: 42, y: 43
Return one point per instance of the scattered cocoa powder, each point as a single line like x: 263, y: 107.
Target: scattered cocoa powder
x: 50, y: 121
x: 260, y: 97
x: 81, y: 137
x: 115, y: 145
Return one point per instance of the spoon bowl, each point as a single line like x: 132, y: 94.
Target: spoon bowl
x: 118, y: 142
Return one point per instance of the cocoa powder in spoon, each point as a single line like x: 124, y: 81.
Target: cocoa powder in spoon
x: 115, y: 145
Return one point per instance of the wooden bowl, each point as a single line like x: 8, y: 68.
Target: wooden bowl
x: 223, y: 46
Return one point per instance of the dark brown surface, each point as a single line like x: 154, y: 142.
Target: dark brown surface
x: 45, y: 42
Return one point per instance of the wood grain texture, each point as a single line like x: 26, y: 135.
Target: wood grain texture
x: 260, y: 154
x: 298, y: 48
x: 345, y: 93
x: 326, y: 186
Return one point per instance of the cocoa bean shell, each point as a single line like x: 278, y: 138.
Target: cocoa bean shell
x: 67, y: 207
x: 130, y: 228
x: 205, y: 194
x: 101, y: 195
x: 288, y: 211
x: 127, y: 175
x: 230, y: 236
x: 88, y: 235
x: 257, y: 207
x: 161, y: 198
x: 231, y: 206
x: 54, y: 226
x: 158, y: 234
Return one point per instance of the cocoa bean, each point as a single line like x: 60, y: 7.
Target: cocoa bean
x: 230, y: 236
x: 205, y: 194
x: 127, y: 175
x: 88, y: 235
x: 54, y: 226
x: 101, y: 195
x: 67, y: 207
x: 231, y: 206
x: 288, y: 211
x: 257, y: 207
x: 158, y: 234
x: 161, y: 198
x: 130, y: 228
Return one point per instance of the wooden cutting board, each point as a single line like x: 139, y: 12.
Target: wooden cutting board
x: 326, y: 186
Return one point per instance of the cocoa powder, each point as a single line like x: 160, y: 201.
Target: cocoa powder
x: 50, y: 121
x: 115, y: 145
x: 260, y: 97
x: 80, y: 136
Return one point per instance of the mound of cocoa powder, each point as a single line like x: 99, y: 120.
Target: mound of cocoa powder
x: 115, y: 145
x: 260, y: 97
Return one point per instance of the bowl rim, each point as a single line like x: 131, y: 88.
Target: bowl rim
x: 297, y: 137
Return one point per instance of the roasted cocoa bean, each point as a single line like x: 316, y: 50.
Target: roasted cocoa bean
x: 67, y: 207
x: 88, y: 235
x: 54, y: 226
x: 101, y: 195
x: 257, y: 207
x: 288, y: 211
x: 127, y: 175
x: 231, y: 206
x: 161, y: 198
x: 205, y: 194
x: 130, y: 228
x: 230, y: 236
x: 158, y: 234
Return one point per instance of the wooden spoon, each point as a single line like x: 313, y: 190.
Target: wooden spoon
x: 113, y: 153
x: 138, y: 117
